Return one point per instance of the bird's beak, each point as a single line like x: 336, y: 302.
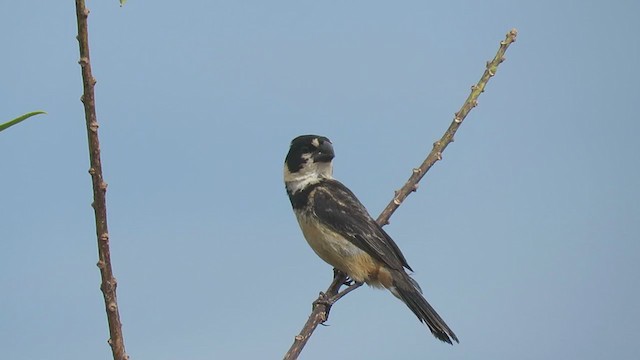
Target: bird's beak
x: 325, y: 152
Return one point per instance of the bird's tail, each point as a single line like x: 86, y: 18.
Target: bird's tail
x: 407, y: 290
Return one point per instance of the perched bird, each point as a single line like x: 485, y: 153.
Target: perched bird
x: 342, y: 233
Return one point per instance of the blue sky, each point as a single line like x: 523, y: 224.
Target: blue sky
x: 524, y: 238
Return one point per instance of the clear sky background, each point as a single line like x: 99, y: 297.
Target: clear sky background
x: 525, y: 237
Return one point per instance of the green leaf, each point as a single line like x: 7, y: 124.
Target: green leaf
x: 122, y: 2
x: 19, y: 119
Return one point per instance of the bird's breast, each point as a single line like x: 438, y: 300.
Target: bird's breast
x: 336, y: 250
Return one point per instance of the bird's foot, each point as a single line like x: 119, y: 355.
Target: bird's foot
x: 323, y: 299
x: 349, y: 282
x: 326, y: 301
x: 343, y: 278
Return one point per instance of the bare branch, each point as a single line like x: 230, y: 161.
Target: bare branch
x: 108, y: 285
x: 439, y: 146
x: 319, y: 315
x: 322, y: 305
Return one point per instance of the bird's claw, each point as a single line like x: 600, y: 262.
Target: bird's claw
x: 348, y: 282
x: 325, y: 300
x: 322, y: 299
x: 337, y: 274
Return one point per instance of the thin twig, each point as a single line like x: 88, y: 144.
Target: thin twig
x: 439, y: 146
x: 108, y: 285
x: 319, y: 315
x: 323, y: 304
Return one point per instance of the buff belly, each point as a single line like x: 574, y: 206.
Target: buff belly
x: 340, y: 253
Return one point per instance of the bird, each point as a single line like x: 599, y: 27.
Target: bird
x: 341, y: 232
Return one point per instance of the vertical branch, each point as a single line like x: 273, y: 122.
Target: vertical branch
x: 108, y: 285
x: 322, y: 305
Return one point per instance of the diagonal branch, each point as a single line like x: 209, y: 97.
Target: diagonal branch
x: 439, y: 146
x: 322, y: 305
x: 108, y: 285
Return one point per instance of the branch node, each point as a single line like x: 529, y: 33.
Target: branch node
x: 299, y: 337
x: 83, y: 61
x: 415, y: 188
x: 397, y: 201
x: 104, y: 237
x: 92, y: 171
x: 103, y: 186
x: 100, y: 264
x: 94, y: 126
x: 439, y: 155
x: 112, y: 307
x: 417, y: 171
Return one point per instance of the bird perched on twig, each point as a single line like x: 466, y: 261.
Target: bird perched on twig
x: 342, y: 233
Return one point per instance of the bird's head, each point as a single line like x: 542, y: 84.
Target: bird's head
x: 308, y: 161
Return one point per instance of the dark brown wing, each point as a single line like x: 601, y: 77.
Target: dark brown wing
x: 339, y: 209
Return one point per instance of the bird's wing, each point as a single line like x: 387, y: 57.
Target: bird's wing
x: 337, y: 207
